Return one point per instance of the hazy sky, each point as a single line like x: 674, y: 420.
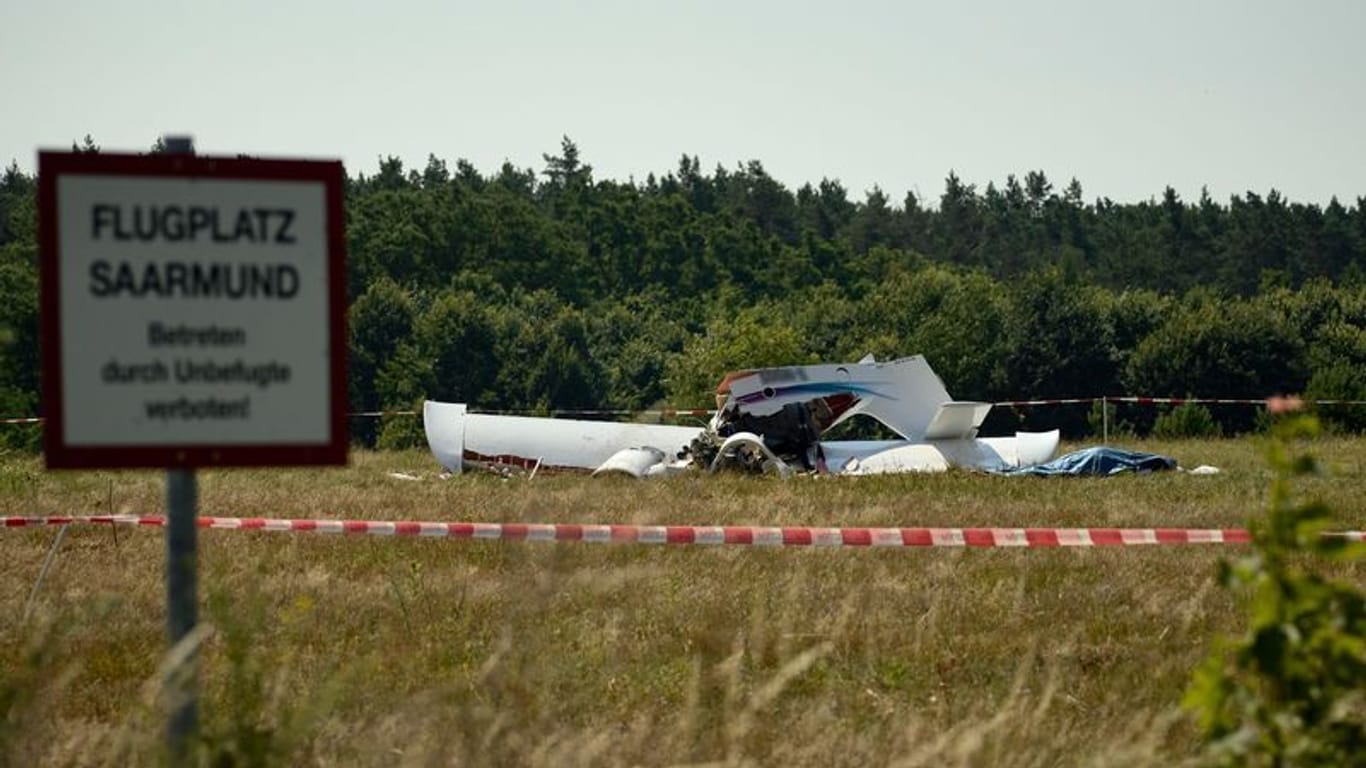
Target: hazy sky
x: 1126, y: 96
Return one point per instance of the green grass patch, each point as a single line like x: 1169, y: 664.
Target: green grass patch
x: 366, y: 650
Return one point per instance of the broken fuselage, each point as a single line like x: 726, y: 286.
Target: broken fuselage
x: 770, y: 419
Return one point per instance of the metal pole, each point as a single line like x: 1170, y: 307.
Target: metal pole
x: 42, y: 574
x: 180, y: 685
x: 1104, y: 421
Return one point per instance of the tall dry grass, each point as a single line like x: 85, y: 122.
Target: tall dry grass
x: 364, y: 650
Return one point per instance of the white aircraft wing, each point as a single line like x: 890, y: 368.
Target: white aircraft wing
x: 457, y: 436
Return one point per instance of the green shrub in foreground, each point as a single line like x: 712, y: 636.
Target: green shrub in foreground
x: 1292, y: 689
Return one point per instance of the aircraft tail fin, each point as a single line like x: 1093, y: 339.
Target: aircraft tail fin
x: 957, y: 420
x: 907, y: 396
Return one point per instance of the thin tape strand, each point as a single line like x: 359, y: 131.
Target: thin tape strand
x: 753, y: 536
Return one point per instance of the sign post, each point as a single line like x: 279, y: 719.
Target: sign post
x: 182, y: 608
x: 193, y: 315
x: 181, y: 683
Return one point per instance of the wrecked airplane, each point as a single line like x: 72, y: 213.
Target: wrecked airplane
x: 767, y: 420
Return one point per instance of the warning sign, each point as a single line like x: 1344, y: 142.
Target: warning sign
x: 193, y: 311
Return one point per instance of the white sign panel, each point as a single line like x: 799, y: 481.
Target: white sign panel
x: 195, y: 312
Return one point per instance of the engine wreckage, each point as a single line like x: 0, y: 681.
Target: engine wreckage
x: 767, y: 420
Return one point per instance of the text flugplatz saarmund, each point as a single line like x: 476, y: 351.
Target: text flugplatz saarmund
x: 192, y: 224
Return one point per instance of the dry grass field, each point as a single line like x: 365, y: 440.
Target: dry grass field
x: 351, y: 650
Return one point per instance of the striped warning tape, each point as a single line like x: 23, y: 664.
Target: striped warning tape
x: 1163, y: 401
x: 758, y: 536
x: 1196, y: 400
x: 706, y: 412
x: 1056, y: 401
x: 665, y: 412
x: 1219, y: 401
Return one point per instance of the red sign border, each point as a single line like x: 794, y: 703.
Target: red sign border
x: 59, y: 455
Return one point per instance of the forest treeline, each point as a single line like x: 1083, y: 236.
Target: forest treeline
x: 540, y: 290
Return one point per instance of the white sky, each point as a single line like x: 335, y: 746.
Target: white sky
x: 1126, y: 96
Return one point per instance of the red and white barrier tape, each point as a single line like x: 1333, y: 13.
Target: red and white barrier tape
x: 705, y: 412
x: 665, y: 412
x: 1202, y: 400
x: 1056, y: 401
x: 670, y: 412
x: 1219, y: 401
x: 703, y: 534
x: 1163, y: 401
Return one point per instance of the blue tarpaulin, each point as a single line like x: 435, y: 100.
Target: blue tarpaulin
x: 1100, y: 461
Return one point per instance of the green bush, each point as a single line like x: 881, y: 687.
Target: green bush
x: 1104, y: 422
x: 401, y: 431
x: 1290, y: 690
x: 1340, y: 382
x: 1186, y: 420
x: 26, y: 438
x: 1219, y: 347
